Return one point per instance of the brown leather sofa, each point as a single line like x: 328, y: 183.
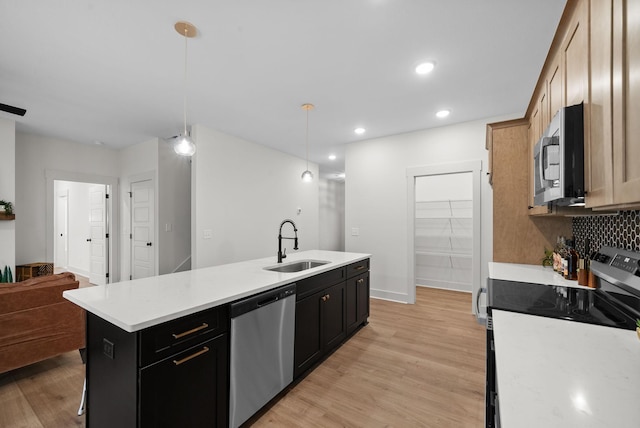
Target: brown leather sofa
x: 36, y: 322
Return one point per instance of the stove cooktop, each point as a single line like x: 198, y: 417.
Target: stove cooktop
x: 568, y: 303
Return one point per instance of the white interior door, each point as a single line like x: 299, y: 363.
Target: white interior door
x: 142, y: 229
x: 98, y: 234
x: 61, y: 258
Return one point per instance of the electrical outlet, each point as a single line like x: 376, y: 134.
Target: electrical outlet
x: 108, y: 348
x: 207, y: 234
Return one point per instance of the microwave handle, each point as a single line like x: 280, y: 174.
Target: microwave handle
x: 544, y: 142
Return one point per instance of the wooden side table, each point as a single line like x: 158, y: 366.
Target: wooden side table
x: 32, y: 270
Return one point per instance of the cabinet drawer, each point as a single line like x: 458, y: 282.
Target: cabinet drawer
x: 173, y: 336
x: 188, y: 388
x: 309, y: 286
x: 357, y: 268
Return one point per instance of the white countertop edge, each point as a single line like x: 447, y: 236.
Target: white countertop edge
x: 82, y: 297
x: 535, y: 274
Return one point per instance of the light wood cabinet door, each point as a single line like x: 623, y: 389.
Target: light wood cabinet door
x: 626, y: 102
x: 555, y: 88
x: 575, y: 57
x: 599, y: 133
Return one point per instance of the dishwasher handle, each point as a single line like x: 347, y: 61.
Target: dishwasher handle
x: 261, y: 300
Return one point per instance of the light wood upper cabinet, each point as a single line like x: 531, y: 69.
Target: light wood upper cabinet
x: 626, y: 102
x: 575, y: 56
x: 612, y: 172
x: 599, y: 133
x: 594, y: 58
x: 555, y: 88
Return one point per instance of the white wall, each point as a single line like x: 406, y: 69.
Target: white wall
x: 331, y: 215
x: 35, y: 155
x: 174, y: 203
x: 8, y: 193
x: 241, y: 192
x: 376, y: 196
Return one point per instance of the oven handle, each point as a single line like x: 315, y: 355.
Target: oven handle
x: 482, y: 290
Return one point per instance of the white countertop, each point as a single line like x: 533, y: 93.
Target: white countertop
x: 557, y: 373
x: 141, y: 303
x: 529, y: 273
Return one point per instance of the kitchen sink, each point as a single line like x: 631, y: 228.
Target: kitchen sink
x: 296, y: 266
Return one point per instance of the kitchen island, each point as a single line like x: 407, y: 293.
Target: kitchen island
x: 158, y: 348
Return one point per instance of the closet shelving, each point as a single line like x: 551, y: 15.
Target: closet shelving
x: 443, y: 243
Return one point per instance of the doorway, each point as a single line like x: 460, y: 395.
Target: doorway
x: 443, y: 234
x: 91, y: 201
x: 82, y: 229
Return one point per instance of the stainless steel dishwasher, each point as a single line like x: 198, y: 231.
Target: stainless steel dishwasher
x: 262, y: 331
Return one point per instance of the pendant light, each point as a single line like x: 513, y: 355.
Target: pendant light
x: 307, y: 176
x: 184, y: 145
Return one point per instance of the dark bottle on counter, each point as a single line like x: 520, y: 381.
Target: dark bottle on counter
x: 571, y: 271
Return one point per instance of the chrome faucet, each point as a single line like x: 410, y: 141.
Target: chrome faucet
x: 282, y: 255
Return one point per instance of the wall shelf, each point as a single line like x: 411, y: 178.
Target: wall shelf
x: 5, y: 216
x: 443, y: 243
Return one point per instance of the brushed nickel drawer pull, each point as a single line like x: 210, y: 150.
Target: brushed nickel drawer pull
x: 361, y: 280
x: 359, y: 267
x: 193, y: 330
x: 197, y: 354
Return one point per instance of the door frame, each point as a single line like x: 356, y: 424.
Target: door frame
x: 112, y: 209
x: 474, y: 167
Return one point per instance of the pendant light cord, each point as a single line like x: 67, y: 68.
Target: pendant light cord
x: 185, y: 82
x: 307, y: 138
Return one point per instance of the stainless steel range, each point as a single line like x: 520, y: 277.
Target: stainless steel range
x: 614, y: 303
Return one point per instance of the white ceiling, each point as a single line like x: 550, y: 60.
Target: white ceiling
x: 112, y: 71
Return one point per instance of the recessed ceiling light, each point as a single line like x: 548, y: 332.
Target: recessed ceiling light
x: 425, y: 67
x: 332, y: 157
x: 443, y: 113
x: 98, y: 143
x: 359, y: 131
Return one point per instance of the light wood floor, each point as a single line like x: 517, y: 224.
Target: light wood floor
x: 413, y: 366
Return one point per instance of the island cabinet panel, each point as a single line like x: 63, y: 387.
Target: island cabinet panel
x: 357, y: 295
x: 112, y: 375
x: 308, y: 345
x: 320, y: 326
x: 172, y: 374
x: 334, y: 327
x: 187, y: 389
x: 329, y: 306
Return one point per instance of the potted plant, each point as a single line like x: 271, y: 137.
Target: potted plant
x: 7, y: 207
x: 548, y: 258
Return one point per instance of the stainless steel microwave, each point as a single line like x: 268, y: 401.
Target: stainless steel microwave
x: 558, y: 159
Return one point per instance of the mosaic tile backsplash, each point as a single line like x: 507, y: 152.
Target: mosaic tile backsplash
x: 621, y: 231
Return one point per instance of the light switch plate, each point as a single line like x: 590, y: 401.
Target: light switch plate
x: 207, y: 234
x: 355, y: 231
